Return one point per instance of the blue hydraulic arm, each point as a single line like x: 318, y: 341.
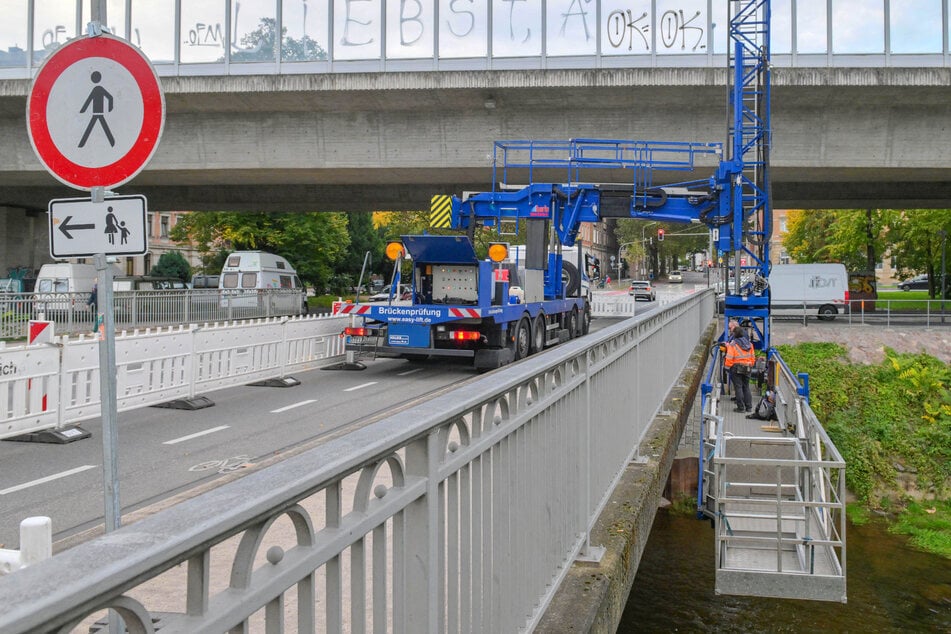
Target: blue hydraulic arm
x: 575, y: 181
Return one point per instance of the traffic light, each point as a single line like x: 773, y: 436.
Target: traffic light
x: 660, y: 235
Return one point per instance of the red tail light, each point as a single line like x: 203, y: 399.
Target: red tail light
x: 356, y: 332
x: 465, y: 335
x: 846, y: 296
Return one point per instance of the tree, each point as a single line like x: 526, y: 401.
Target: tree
x: 808, y: 233
x: 915, y: 236
x: 364, y: 236
x: 172, y: 264
x: 313, y: 242
x: 258, y: 45
x: 859, y: 237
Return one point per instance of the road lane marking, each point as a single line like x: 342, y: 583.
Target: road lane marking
x: 55, y: 476
x: 195, y: 435
x: 409, y: 372
x: 301, y: 404
x: 360, y: 387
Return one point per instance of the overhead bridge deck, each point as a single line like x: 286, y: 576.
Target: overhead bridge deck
x: 775, y: 491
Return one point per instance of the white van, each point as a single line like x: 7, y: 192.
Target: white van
x: 820, y: 289
x: 246, y: 272
x: 61, y: 286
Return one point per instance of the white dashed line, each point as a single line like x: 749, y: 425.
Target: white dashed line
x: 360, y: 387
x: 301, y: 404
x: 409, y: 372
x: 55, y: 476
x: 195, y: 435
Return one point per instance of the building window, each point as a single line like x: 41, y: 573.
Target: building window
x: 147, y: 263
x: 129, y: 266
x: 164, y: 230
x: 148, y: 226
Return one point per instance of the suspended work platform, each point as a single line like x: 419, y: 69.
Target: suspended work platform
x: 775, y: 491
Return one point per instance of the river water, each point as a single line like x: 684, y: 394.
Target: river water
x: 890, y: 586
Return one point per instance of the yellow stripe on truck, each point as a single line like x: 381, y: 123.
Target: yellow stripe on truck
x: 440, y: 212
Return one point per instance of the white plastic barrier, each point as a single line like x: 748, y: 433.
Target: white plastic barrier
x: 54, y: 385
x: 613, y: 306
x: 29, y: 389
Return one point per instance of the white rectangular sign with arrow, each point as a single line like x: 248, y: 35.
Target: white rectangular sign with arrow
x: 81, y: 228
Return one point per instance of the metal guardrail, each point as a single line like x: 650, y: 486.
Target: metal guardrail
x: 462, y: 513
x: 136, y: 309
x: 777, y: 494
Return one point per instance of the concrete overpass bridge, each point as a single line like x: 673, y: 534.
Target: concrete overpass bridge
x: 361, y: 108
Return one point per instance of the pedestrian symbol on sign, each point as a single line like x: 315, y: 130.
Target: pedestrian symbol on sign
x: 97, y: 98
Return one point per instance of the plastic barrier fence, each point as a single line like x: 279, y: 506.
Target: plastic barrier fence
x: 50, y: 386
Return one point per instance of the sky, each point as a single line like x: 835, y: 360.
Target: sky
x: 471, y: 28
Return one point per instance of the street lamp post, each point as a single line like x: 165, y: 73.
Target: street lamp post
x: 643, y: 229
x: 944, y: 272
x: 619, y: 249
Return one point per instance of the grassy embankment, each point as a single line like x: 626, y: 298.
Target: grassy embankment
x: 892, y: 424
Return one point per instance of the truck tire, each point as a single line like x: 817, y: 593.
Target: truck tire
x: 522, y: 344
x: 586, y: 319
x: 573, y: 330
x: 539, y: 333
x: 827, y: 312
x: 571, y: 279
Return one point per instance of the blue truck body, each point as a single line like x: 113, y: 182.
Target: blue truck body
x: 464, y: 307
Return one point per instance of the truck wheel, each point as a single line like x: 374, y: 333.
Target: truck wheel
x: 522, y: 345
x: 573, y: 323
x: 570, y: 278
x: 827, y: 312
x: 586, y: 319
x: 539, y: 333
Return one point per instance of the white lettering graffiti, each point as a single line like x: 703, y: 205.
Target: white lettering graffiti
x: 206, y: 35
x: 622, y: 25
x: 673, y: 25
x: 416, y: 24
x: 350, y: 20
x: 579, y: 12
x: 51, y: 36
x: 528, y: 32
x: 455, y: 11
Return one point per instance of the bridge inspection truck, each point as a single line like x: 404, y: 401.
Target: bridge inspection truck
x: 492, y: 310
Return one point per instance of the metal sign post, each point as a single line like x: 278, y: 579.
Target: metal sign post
x: 107, y: 390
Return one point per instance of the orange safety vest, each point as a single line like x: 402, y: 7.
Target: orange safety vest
x: 737, y: 355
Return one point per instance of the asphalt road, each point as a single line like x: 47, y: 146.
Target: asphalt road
x: 165, y: 452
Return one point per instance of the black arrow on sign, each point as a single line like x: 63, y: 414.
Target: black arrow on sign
x: 66, y: 227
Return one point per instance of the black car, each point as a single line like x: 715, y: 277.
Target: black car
x: 917, y: 283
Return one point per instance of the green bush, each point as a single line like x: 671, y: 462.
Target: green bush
x: 886, y: 419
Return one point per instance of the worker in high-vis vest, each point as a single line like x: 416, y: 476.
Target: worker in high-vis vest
x: 739, y: 360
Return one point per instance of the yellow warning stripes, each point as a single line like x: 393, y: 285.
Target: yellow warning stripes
x: 440, y: 211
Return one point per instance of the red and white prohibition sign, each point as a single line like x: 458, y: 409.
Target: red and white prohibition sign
x: 95, y: 112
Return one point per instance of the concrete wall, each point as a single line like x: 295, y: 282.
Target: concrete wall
x: 842, y: 137
x: 24, y: 239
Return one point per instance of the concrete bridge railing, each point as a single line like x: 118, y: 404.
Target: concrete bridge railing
x: 462, y: 513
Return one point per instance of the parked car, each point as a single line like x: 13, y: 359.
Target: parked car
x: 642, y: 290
x: 384, y: 295
x: 675, y: 277
x: 917, y: 283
